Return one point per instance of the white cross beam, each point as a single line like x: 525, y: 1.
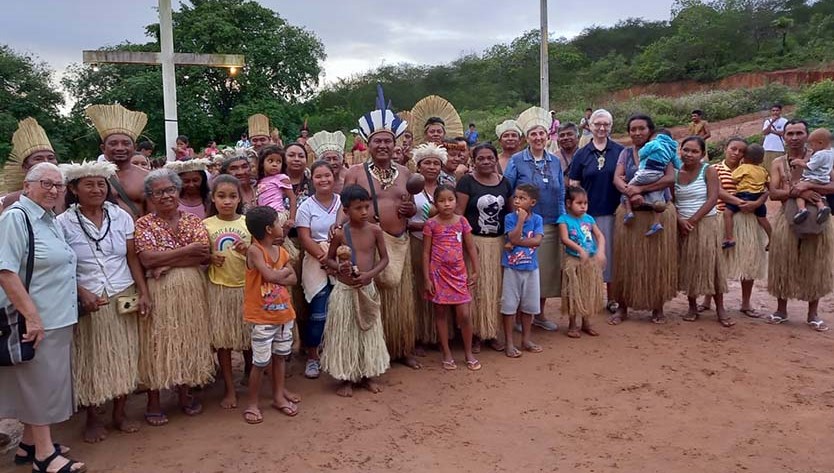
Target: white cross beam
x: 168, y: 59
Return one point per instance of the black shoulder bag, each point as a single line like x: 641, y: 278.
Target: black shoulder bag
x: 13, y: 350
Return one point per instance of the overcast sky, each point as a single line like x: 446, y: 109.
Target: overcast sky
x: 358, y: 35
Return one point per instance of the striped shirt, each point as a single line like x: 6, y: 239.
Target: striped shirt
x: 725, y: 180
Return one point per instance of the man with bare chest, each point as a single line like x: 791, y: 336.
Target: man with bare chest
x: 391, y: 207
x: 119, y: 128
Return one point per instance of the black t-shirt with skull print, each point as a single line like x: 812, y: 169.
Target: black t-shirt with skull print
x: 487, y: 205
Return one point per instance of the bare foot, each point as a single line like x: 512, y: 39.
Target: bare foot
x: 229, y: 401
x: 156, y: 419
x: 372, y: 386
x: 574, y: 333
x: 94, y: 433
x: 126, y: 426
x: 587, y: 329
x: 411, y: 362
x: 345, y: 389
x: 291, y: 396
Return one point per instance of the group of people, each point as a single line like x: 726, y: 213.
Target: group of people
x: 143, y: 279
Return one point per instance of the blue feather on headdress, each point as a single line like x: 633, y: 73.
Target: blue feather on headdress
x: 381, y: 119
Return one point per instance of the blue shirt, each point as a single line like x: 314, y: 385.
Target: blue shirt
x: 547, y: 176
x: 658, y: 153
x: 472, y: 137
x: 53, y: 288
x: 595, y: 172
x: 522, y: 258
x: 581, y: 232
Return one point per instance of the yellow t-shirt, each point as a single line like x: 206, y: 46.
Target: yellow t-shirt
x: 223, y: 235
x: 751, y: 178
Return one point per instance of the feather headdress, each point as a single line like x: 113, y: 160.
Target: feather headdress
x: 197, y: 164
x: 75, y: 171
x: 429, y: 150
x: 113, y: 119
x: 381, y: 120
x: 436, y: 106
x: 324, y: 141
x: 533, y: 117
x: 507, y: 125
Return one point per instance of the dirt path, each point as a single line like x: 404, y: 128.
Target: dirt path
x: 680, y: 398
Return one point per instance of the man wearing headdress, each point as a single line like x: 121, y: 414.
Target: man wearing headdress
x: 391, y: 207
x: 30, y: 146
x: 118, y: 128
x: 258, y: 131
x: 509, y: 137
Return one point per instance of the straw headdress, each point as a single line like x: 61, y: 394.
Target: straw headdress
x: 381, y: 120
x: 407, y: 117
x: 507, y: 125
x: 29, y: 138
x: 258, y: 125
x: 324, y: 141
x: 197, y: 164
x: 429, y: 150
x: 115, y: 119
x: 74, y: 171
x: 436, y: 106
x: 533, y: 117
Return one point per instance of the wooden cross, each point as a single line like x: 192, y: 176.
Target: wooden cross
x: 168, y: 59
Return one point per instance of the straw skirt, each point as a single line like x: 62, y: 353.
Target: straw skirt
x: 395, y: 286
x: 348, y: 352
x: 486, y: 298
x: 175, y: 342
x: 645, y: 268
x: 228, y: 329
x: 105, y: 361
x: 583, y: 290
x: 700, y: 262
x: 423, y: 309
x: 550, y: 263
x: 800, y: 268
x: 39, y: 392
x: 748, y: 259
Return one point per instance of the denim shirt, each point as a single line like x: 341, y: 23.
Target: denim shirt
x: 551, y: 182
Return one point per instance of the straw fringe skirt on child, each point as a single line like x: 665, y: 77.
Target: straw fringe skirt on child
x: 395, y: 285
x: 645, y: 268
x: 423, y: 310
x: 583, y: 290
x: 228, y: 329
x: 348, y: 352
x: 700, y: 262
x: 175, y: 342
x: 486, y: 296
x: 748, y: 259
x: 105, y: 363
x: 800, y: 268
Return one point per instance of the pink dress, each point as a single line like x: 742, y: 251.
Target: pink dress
x: 271, y: 191
x: 447, y: 269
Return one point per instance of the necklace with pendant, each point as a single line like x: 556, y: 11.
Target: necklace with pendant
x: 386, y: 177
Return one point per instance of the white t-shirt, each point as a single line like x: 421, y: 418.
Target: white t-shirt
x: 773, y: 142
x: 315, y: 216
x: 423, y: 204
x: 113, y: 254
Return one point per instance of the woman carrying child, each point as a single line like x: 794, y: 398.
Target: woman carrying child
x: 229, y: 240
x: 444, y: 238
x: 701, y: 265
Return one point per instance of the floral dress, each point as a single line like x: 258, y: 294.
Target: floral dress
x: 447, y: 269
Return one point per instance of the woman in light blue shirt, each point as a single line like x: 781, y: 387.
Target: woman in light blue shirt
x: 39, y: 392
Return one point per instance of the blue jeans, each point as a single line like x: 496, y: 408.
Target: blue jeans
x: 314, y: 328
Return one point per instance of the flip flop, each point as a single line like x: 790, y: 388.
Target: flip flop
x: 659, y: 319
x: 255, y: 416
x: 752, y: 313
x: 193, y: 408
x: 690, y: 316
x: 775, y: 319
x: 496, y: 345
x: 616, y: 319
x: 162, y: 419
x: 533, y: 348
x: 289, y: 411
x: 574, y: 333
x: 590, y: 331
x: 819, y: 325
x: 473, y: 365
x: 512, y: 353
x: 727, y: 322
x: 449, y: 365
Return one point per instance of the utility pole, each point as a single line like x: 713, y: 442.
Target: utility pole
x: 543, y: 59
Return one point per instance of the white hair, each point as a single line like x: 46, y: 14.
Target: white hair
x: 602, y: 113
x: 37, y: 171
x: 161, y: 175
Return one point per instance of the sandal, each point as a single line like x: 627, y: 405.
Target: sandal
x: 533, y: 348
x: 497, y: 345
x: 819, y: 325
x: 574, y: 333
x: 253, y: 416
x: 156, y: 419
x: 30, y: 453
x: 752, y: 313
x: 289, y: 411
x: 727, y: 322
x: 775, y: 318
x: 590, y: 331
x: 689, y: 316
x: 616, y: 319
x: 449, y: 365
x: 473, y: 365
x: 39, y: 466
x: 659, y: 319
x: 193, y: 408
x: 512, y: 352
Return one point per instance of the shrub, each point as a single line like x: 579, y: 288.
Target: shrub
x: 816, y: 105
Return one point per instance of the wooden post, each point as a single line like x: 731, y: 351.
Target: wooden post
x: 543, y: 59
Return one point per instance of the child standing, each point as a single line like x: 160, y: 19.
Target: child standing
x: 229, y: 240
x: 354, y: 345
x: 444, y: 238
x: 267, y: 305
x: 520, y: 291
x: 751, y: 183
x: 274, y: 187
x: 582, y: 287
x: 655, y: 156
x: 818, y: 171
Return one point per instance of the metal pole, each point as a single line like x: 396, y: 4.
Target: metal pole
x: 169, y: 81
x: 545, y: 74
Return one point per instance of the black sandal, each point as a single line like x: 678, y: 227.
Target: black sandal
x: 30, y: 453
x: 43, y: 466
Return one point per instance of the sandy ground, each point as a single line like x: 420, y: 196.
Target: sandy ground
x: 682, y: 397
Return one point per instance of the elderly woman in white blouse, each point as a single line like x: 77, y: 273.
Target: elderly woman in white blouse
x: 106, y: 348
x: 39, y: 392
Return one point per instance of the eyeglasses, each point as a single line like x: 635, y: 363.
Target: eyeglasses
x: 601, y: 125
x: 48, y: 185
x: 170, y: 191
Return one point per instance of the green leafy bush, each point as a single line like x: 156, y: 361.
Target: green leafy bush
x: 816, y: 105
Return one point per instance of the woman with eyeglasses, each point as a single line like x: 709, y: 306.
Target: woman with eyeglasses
x: 174, y: 344
x: 593, y: 169
x: 39, y: 392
